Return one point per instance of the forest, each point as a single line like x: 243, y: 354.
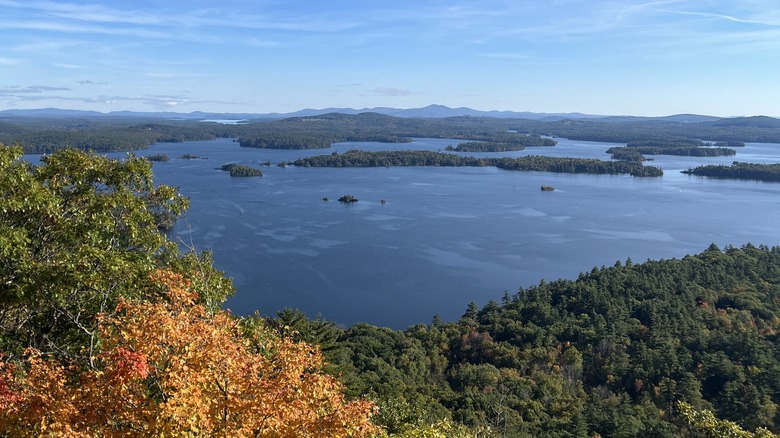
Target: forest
x: 121, y: 333
x: 116, y: 134
x: 39, y: 135
x: 610, y: 353
x: 107, y: 327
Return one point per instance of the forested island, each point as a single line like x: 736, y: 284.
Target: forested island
x: 122, y: 333
x: 356, y: 158
x: 690, y: 151
x: 637, y: 149
x: 484, y: 146
x: 241, y: 170
x: 737, y: 170
x: 158, y: 157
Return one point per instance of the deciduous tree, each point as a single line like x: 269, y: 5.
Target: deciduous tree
x: 172, y: 367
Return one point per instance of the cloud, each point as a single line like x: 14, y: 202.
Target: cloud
x: 16, y: 89
x: 392, y: 92
x: 29, y: 94
x: 723, y: 17
x: 9, y: 61
x: 88, y: 82
x: 171, y: 22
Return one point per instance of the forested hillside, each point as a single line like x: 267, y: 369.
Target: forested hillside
x: 611, y: 353
x: 93, y: 134
x: 477, y: 133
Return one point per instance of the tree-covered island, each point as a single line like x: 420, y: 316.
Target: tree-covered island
x: 484, y: 146
x: 356, y: 158
x: 502, y: 142
x: 738, y: 170
x: 241, y: 170
x: 158, y: 157
x: 635, y: 150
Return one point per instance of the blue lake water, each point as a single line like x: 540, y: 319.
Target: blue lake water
x: 445, y: 236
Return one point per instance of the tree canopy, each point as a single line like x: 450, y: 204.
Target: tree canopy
x: 171, y: 367
x: 106, y: 329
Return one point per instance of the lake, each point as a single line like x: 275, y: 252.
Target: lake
x: 444, y: 236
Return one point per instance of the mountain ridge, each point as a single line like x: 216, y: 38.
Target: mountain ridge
x: 431, y: 111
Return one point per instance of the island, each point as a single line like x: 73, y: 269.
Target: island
x: 485, y: 146
x: 356, y: 158
x: 158, y: 157
x: 505, y: 144
x: 241, y: 170
x: 348, y: 199
x: 737, y: 170
x: 635, y: 150
x: 548, y: 188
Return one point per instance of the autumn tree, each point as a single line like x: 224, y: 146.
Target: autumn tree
x: 173, y: 367
x: 706, y: 424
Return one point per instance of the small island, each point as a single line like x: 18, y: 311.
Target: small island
x: 158, y: 157
x: 189, y: 157
x: 348, y: 199
x: 241, y: 170
x: 626, y: 154
x: 548, y: 188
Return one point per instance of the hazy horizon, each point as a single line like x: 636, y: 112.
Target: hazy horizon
x: 638, y: 58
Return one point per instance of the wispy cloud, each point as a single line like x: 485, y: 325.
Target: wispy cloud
x: 724, y: 17
x: 88, y: 82
x: 9, y: 61
x: 168, y: 23
x: 17, y: 89
x: 33, y: 94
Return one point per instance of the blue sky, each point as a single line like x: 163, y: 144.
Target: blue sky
x: 622, y: 57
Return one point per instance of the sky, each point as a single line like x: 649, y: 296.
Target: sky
x: 618, y: 57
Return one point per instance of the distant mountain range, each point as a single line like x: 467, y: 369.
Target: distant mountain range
x: 430, y: 111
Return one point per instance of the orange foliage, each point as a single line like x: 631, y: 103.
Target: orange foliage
x: 172, y: 368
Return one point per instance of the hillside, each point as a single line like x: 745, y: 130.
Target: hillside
x: 610, y: 353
